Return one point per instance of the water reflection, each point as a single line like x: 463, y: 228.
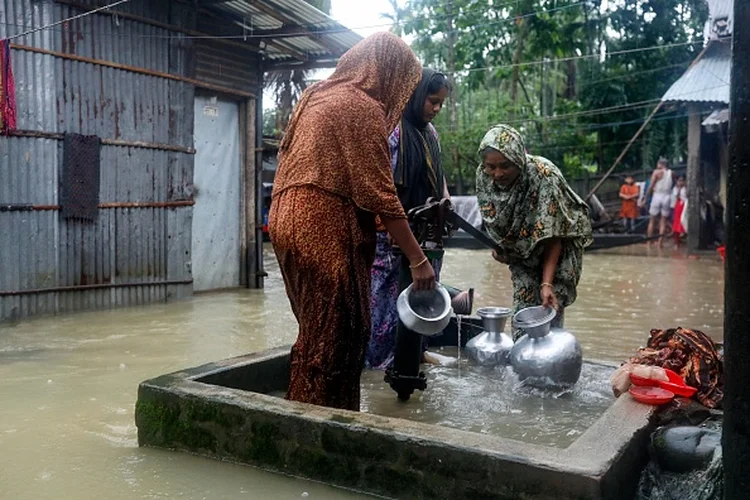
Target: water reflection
x: 69, y: 383
x: 69, y: 386
x: 621, y: 296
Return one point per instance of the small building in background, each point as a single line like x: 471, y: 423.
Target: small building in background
x: 704, y: 90
x: 168, y: 96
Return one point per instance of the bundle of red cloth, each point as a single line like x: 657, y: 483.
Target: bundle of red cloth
x: 693, y: 355
x: 7, y: 90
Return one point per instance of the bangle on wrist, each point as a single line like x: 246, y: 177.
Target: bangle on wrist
x: 547, y: 284
x: 414, y: 266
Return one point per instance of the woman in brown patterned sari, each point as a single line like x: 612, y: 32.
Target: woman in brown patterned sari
x: 334, y: 178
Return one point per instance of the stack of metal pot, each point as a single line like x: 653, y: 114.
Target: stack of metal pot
x: 544, y: 357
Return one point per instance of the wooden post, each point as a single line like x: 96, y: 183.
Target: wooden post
x: 736, y: 435
x: 251, y: 267
x: 694, y: 178
x: 260, y: 272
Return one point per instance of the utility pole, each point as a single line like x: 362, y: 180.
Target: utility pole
x: 736, y: 435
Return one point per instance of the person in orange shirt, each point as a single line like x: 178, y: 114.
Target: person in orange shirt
x: 629, y: 193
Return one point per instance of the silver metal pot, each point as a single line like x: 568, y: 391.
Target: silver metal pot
x: 492, y: 346
x: 544, y: 357
x: 426, y: 312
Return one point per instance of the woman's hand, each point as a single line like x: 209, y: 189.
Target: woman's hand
x: 552, y: 252
x: 548, y: 297
x: 500, y: 257
x: 423, y: 276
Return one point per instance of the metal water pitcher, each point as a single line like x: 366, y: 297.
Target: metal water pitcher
x: 492, y: 346
x: 544, y: 357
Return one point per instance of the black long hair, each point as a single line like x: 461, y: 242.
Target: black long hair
x: 419, y: 171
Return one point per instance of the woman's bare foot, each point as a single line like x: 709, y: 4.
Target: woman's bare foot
x: 433, y: 358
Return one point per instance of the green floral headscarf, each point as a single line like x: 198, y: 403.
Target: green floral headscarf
x: 538, y: 206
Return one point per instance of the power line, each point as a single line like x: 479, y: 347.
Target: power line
x: 544, y: 147
x: 468, y: 70
x: 633, y: 73
x: 63, y: 21
x: 595, y: 112
x: 311, y: 29
x: 586, y: 56
x: 310, y: 32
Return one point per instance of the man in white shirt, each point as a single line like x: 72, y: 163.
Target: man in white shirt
x: 660, y: 189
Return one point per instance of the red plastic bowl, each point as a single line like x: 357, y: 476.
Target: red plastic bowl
x: 677, y: 385
x: 643, y: 382
x: 651, y: 395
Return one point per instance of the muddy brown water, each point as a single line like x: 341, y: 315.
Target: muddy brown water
x: 69, y: 382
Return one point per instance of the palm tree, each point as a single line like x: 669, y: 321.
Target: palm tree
x: 288, y: 85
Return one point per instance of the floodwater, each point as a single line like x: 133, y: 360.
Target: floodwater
x: 69, y: 383
x: 622, y: 295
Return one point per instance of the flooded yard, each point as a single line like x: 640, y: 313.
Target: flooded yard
x: 69, y: 382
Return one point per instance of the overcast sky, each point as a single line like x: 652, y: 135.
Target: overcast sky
x: 362, y: 16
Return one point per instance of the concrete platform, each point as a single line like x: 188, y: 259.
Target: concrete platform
x: 222, y: 410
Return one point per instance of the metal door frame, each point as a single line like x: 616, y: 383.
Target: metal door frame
x: 251, y: 151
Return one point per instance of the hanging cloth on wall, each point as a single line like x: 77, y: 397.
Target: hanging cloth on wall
x: 7, y: 90
x: 79, y: 196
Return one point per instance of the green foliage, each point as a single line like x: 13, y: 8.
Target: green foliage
x: 539, y: 66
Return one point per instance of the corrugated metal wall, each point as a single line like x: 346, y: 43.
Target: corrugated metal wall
x: 40, y: 250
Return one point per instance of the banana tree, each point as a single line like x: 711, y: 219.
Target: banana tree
x: 288, y: 85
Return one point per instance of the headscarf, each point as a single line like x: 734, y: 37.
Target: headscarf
x: 419, y: 171
x: 538, y: 206
x: 337, y: 138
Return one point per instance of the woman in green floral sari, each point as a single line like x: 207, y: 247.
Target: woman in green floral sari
x: 540, y: 224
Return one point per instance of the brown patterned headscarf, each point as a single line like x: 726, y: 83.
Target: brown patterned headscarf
x: 337, y: 138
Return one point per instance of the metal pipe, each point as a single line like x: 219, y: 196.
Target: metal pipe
x: 135, y: 69
x: 404, y: 376
x: 25, y: 207
x: 79, y: 288
x: 151, y: 22
x: 107, y: 142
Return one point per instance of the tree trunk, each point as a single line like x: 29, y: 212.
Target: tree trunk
x: 736, y: 435
x: 516, y: 74
x: 570, y: 80
x: 453, y: 116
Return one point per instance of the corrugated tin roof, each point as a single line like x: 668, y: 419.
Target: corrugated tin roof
x: 721, y: 18
x: 716, y: 118
x: 324, y: 38
x: 707, y: 80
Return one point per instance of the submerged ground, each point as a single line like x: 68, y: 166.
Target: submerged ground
x: 69, y: 382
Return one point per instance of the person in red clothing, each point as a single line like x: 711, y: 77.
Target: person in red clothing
x: 629, y: 193
x: 679, y: 196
